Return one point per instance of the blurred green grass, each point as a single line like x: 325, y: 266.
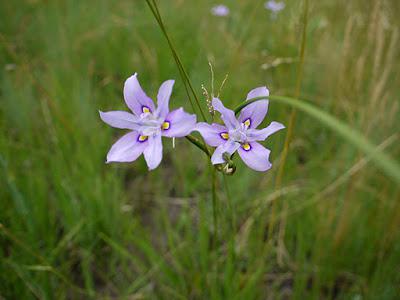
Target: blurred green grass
x: 75, y: 228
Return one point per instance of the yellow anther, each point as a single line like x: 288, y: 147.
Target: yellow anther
x: 247, y: 123
x: 165, y: 125
x: 224, y: 135
x: 145, y: 109
x: 246, y: 146
x: 142, y: 138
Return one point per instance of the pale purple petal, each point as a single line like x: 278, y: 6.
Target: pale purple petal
x: 153, y: 152
x: 135, y: 98
x: 227, y: 115
x: 258, y: 92
x: 126, y: 149
x: 180, y: 123
x: 257, y: 157
x: 230, y: 147
x: 212, y: 133
x: 120, y: 119
x: 262, y: 134
x: 254, y: 113
x: 164, y: 93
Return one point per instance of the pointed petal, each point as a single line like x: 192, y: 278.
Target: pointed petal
x: 153, y: 152
x: 180, y: 123
x: 212, y: 133
x: 257, y: 157
x: 164, y: 93
x: 126, y: 149
x: 227, y: 115
x: 135, y: 98
x: 262, y: 134
x: 254, y: 113
x: 120, y: 119
x: 258, y: 92
x: 229, y: 146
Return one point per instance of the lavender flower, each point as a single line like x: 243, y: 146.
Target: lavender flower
x: 241, y: 134
x: 147, y: 124
x: 220, y: 10
x: 274, y: 6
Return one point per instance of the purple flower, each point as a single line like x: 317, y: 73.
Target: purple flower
x: 147, y: 124
x: 274, y: 6
x: 220, y: 10
x: 241, y: 134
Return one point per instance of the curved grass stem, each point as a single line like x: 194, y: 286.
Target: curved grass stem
x: 387, y: 164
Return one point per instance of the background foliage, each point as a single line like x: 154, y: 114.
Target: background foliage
x: 72, y: 227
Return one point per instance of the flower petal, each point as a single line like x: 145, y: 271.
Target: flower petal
x: 227, y: 115
x: 258, y: 92
x: 230, y: 147
x: 135, y: 98
x: 256, y: 157
x: 164, y: 93
x: 120, y: 119
x: 153, y: 152
x: 254, y: 113
x: 212, y: 133
x: 262, y: 134
x: 180, y: 123
x: 126, y: 149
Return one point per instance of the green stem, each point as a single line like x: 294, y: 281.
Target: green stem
x: 214, y: 202
x: 230, y: 204
x: 186, y: 80
x: 198, y: 144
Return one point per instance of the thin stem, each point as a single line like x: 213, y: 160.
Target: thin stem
x: 230, y: 204
x: 198, y: 144
x: 214, y: 200
x: 185, y: 78
x: 188, y: 85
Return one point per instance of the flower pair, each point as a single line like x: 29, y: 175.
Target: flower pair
x: 149, y: 123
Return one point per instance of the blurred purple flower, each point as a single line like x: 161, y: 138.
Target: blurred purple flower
x: 147, y: 124
x: 220, y: 10
x: 274, y: 6
x: 241, y: 134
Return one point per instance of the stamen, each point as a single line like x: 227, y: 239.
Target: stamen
x: 246, y: 146
x: 165, y: 125
x: 143, y: 138
x: 145, y: 109
x: 247, y: 123
x: 224, y: 135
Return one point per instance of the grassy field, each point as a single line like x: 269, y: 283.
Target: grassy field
x: 72, y: 227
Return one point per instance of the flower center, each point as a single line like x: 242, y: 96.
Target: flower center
x: 150, y: 124
x: 238, y: 135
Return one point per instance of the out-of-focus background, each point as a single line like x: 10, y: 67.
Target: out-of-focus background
x: 72, y: 227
